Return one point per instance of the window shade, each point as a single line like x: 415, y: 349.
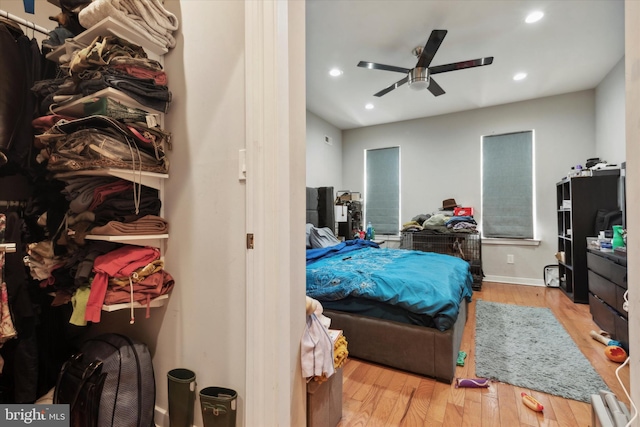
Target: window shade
x: 382, y: 189
x: 507, y: 185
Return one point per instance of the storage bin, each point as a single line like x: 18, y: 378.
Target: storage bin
x: 324, y: 401
x: 463, y: 211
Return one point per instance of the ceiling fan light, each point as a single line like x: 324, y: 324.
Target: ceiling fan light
x: 419, y: 78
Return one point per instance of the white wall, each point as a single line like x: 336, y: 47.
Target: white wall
x: 610, y: 119
x: 440, y: 159
x: 324, y: 161
x: 203, y: 326
x: 207, y: 322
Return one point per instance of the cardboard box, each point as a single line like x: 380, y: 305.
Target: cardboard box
x: 466, y: 211
x: 324, y: 401
x: 347, y: 196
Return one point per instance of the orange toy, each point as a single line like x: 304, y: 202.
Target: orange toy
x: 531, y: 403
x: 615, y: 353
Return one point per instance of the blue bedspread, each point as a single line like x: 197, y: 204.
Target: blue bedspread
x: 421, y: 282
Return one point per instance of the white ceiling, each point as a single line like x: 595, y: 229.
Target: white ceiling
x: 572, y: 48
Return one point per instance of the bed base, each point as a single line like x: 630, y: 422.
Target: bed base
x: 411, y: 348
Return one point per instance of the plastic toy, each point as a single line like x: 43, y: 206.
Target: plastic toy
x: 615, y: 353
x: 604, y: 338
x: 472, y: 382
x: 531, y: 403
x: 461, y: 356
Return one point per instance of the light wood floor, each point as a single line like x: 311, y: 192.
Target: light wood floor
x: 377, y: 396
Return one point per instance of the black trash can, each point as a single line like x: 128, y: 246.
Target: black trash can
x: 218, y: 406
x: 182, y: 397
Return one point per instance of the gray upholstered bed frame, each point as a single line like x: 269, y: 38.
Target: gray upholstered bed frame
x: 411, y: 348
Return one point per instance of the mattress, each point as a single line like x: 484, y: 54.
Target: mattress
x: 379, y: 310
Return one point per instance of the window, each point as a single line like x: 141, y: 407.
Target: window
x: 382, y: 189
x: 507, y: 185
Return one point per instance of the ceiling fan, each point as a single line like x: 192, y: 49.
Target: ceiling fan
x: 419, y: 77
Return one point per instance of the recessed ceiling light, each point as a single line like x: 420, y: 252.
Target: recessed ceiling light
x: 369, y: 106
x: 335, y: 72
x: 534, y: 17
x: 520, y: 76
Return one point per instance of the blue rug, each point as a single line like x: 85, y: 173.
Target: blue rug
x: 528, y: 347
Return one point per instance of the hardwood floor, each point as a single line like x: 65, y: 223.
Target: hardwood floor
x: 374, y: 395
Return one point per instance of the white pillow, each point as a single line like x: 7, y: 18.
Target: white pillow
x: 309, y: 228
x: 322, y: 238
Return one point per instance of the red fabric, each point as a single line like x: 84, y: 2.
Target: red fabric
x: 101, y: 192
x: 150, y: 287
x: 117, y: 263
x: 159, y: 77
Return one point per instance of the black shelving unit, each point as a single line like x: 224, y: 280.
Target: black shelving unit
x: 578, y: 201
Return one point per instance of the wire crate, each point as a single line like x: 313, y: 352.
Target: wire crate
x: 462, y: 245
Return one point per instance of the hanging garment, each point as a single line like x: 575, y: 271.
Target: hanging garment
x: 7, y: 329
x: 12, y: 94
x: 20, y: 60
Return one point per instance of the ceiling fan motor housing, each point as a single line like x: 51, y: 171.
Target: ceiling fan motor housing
x: 418, y: 78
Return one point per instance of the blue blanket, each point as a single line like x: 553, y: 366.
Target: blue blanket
x: 421, y: 282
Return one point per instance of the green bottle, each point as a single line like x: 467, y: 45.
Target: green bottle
x: 618, y: 240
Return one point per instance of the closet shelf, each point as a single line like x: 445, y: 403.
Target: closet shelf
x: 71, y: 108
x: 156, y: 302
x: 148, y: 179
x: 110, y: 27
x: 154, y: 240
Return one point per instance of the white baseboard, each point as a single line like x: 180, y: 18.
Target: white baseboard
x: 514, y: 280
x: 161, y: 417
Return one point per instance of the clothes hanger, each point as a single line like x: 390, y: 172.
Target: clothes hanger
x: 8, y: 247
x: 24, y: 22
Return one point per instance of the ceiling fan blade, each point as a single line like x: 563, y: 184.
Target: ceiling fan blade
x: 374, y: 66
x: 392, y: 87
x: 461, y: 65
x: 435, y: 88
x: 431, y: 47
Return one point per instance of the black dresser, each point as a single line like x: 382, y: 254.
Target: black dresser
x: 607, y: 273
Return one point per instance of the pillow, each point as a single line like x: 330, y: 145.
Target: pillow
x: 309, y: 228
x: 322, y: 238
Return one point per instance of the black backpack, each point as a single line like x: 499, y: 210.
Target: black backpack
x: 109, y: 383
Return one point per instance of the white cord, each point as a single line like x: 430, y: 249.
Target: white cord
x: 633, y: 405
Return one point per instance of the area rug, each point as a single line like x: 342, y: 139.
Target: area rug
x: 528, y: 347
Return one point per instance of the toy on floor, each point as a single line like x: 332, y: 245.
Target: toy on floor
x: 615, y: 353
x: 472, y: 382
x: 604, y: 338
x: 461, y: 356
x: 531, y: 403
x: 613, y: 349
